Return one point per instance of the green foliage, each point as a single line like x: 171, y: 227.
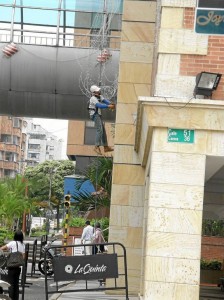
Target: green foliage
x: 76, y: 222
x: 99, y: 172
x: 5, y: 234
x: 80, y: 222
x: 213, y: 227
x: 45, y: 174
x: 37, y: 232
x: 13, y: 200
x: 211, y: 265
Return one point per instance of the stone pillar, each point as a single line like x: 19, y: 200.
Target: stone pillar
x: 173, y: 229
x: 175, y: 176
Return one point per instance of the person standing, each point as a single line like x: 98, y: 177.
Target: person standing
x: 99, y: 247
x: 98, y: 239
x: 96, y: 103
x: 87, y: 237
x: 14, y: 273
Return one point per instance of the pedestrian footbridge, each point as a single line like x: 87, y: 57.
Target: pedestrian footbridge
x: 59, y: 56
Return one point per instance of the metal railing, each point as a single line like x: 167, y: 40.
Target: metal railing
x: 65, y: 39
x: 74, y: 267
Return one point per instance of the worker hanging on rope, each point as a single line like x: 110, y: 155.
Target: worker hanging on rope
x: 95, y: 104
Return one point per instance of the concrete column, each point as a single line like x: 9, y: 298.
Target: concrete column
x: 174, y: 220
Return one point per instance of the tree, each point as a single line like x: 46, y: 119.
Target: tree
x: 13, y: 200
x: 99, y: 172
x: 46, y: 180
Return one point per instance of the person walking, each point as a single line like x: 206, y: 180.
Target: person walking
x: 96, y: 103
x: 14, y: 272
x: 87, y: 237
x: 98, y: 239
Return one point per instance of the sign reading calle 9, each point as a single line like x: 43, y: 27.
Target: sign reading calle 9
x: 209, y: 17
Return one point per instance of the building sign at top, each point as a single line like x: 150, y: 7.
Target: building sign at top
x: 209, y: 17
x: 211, y: 3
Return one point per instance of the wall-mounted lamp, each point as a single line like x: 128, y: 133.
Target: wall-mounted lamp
x: 206, y: 83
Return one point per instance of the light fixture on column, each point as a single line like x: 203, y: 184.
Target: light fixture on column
x: 206, y: 83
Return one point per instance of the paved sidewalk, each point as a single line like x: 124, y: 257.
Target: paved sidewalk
x: 88, y: 295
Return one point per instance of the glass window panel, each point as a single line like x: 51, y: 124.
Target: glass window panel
x: 6, y: 2
x: 39, y: 3
x: 87, y: 5
x: 115, y: 6
x: 67, y: 19
x: 94, y: 6
x: 89, y: 138
x: 68, y: 4
x: 17, y: 18
x: 5, y: 14
x: 97, y: 20
x: 41, y: 17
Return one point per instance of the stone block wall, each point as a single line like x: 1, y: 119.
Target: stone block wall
x: 135, y: 72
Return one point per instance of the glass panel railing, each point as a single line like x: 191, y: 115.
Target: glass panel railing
x: 6, y: 2
x: 5, y: 14
x: 87, y: 5
x: 67, y: 19
x: 40, y: 17
x: 39, y: 3
x: 112, y: 6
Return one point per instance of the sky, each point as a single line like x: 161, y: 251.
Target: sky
x: 56, y: 127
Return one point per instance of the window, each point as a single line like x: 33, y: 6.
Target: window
x: 16, y: 140
x: 34, y: 146
x: 33, y: 155
x: 9, y: 156
x: 7, y: 173
x: 37, y: 136
x: 90, y: 134
x: 1, y: 155
x: 6, y: 138
x: 16, y: 122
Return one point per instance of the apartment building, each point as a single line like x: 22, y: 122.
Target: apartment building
x: 12, y: 145
x: 41, y: 145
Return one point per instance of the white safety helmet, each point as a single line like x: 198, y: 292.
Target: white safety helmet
x: 94, y: 88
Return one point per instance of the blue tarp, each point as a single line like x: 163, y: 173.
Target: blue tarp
x: 71, y: 183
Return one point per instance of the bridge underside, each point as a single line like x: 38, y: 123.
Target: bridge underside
x: 47, y: 82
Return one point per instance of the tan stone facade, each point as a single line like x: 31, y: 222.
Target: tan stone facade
x: 158, y: 187
x: 76, y: 139
x: 128, y: 190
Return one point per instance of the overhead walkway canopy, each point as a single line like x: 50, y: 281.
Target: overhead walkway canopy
x: 59, y: 44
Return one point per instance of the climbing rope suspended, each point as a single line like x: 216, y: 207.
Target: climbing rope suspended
x: 102, y: 66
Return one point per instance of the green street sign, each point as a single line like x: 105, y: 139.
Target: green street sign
x: 180, y: 136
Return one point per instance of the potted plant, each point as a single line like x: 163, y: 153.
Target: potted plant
x: 211, y: 271
x: 76, y: 226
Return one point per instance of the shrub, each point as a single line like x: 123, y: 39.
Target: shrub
x: 213, y: 227
x: 75, y: 222
x: 5, y: 234
x: 80, y: 222
x: 211, y: 265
